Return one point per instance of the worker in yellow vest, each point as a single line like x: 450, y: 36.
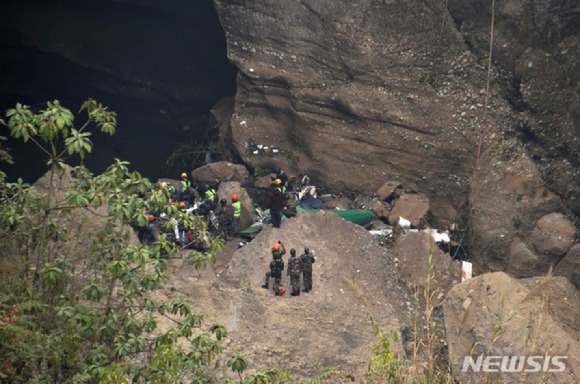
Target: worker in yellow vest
x: 280, y: 186
x: 236, y: 214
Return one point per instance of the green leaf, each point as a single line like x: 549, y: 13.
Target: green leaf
x: 530, y: 64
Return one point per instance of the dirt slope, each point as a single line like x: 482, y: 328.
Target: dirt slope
x: 328, y: 326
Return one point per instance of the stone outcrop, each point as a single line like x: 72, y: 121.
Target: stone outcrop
x: 536, y: 43
x: 354, y: 95
x: 497, y: 315
x: 387, y: 191
x: 516, y: 223
x: 226, y: 190
x: 569, y: 266
x: 413, y: 250
x: 411, y: 206
x: 214, y: 173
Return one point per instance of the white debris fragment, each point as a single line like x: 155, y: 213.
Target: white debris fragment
x: 439, y: 237
x: 466, y: 270
x: 243, y: 122
x: 404, y: 223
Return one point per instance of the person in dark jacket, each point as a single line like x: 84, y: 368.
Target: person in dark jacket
x: 275, y: 204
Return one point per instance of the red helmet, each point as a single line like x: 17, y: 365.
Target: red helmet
x: 234, y: 197
x: 276, y: 247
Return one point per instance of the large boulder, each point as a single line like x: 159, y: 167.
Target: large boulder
x: 569, y: 266
x: 214, y: 173
x: 553, y: 235
x: 411, y: 206
x: 379, y: 208
x: 548, y: 242
x: 497, y: 315
x: 387, y: 191
x: 226, y: 190
x: 415, y: 250
x: 507, y: 201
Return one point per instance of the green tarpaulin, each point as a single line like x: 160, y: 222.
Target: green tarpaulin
x: 357, y: 216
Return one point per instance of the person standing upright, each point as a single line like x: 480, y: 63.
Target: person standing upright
x: 275, y: 204
x: 306, y: 259
x: 294, y: 271
x: 276, y: 268
x: 236, y: 214
x: 184, y: 189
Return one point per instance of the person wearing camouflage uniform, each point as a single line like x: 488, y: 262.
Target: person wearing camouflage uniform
x: 276, y: 268
x: 224, y: 216
x: 294, y: 271
x: 291, y: 206
x: 306, y: 260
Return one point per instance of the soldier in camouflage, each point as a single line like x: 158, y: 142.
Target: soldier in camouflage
x: 307, y: 260
x: 278, y: 250
x: 294, y: 271
x: 291, y: 206
x: 224, y: 215
x: 276, y: 268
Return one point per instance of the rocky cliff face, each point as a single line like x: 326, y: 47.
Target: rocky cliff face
x: 354, y: 94
x: 360, y: 92
x: 351, y: 93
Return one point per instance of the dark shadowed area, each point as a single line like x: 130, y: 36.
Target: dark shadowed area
x: 160, y: 65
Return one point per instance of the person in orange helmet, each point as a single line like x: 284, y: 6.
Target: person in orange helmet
x: 276, y: 268
x: 236, y: 215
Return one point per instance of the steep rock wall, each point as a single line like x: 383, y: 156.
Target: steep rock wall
x: 358, y: 93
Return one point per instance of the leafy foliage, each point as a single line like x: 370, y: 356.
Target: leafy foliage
x: 74, y: 284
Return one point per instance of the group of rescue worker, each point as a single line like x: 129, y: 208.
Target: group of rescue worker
x: 223, y: 220
x: 297, y: 266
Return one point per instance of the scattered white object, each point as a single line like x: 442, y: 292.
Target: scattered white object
x: 275, y: 150
x: 243, y: 122
x: 381, y: 232
x: 252, y: 70
x: 404, y: 223
x: 255, y: 152
x: 260, y: 146
x: 466, y: 270
x: 442, y: 237
x: 266, y: 147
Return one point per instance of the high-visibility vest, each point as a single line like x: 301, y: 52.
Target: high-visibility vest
x: 210, y: 194
x: 237, y: 208
x: 185, y: 184
x: 282, y: 189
